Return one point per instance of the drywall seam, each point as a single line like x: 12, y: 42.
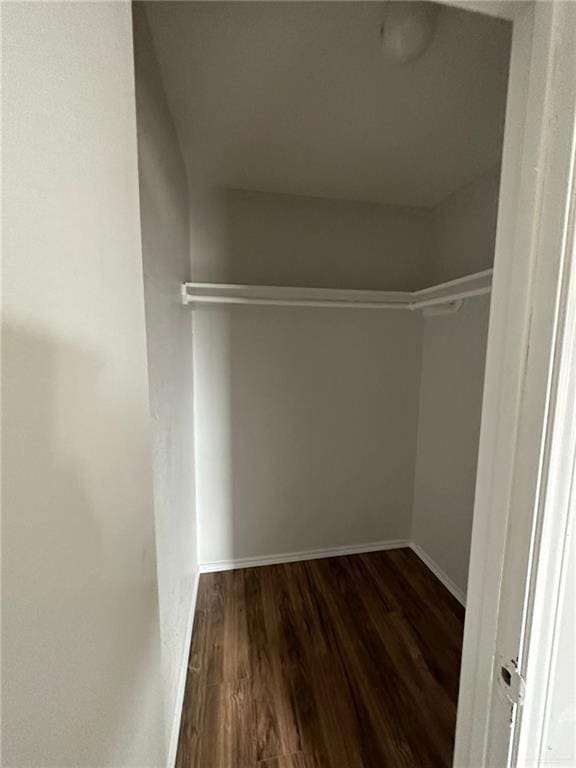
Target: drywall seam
x: 439, y: 573
x: 294, y: 557
x: 177, y: 717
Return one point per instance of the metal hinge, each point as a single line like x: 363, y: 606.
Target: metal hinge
x: 510, y: 681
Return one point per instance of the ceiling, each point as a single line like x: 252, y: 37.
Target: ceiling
x: 297, y: 97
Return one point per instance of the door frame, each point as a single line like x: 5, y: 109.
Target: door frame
x: 527, y: 430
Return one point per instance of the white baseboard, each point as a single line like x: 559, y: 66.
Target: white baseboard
x: 318, y: 554
x: 437, y: 571
x: 294, y: 557
x: 173, y: 744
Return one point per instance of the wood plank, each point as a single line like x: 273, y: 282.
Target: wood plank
x: 298, y: 760
x: 215, y: 627
x: 436, y: 711
x: 235, y: 628
x: 189, y: 739
x: 381, y: 700
x: 302, y: 647
x: 275, y: 724
x: 440, y: 643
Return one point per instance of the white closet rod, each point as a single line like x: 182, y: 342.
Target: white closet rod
x: 283, y: 296
x: 447, y: 299
x: 217, y: 299
x: 474, y: 277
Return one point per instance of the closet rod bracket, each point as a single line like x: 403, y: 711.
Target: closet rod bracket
x: 448, y: 308
x: 185, y: 297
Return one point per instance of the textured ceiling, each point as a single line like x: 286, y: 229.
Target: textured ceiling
x: 296, y: 97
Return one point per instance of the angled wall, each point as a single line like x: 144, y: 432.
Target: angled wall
x: 164, y: 214
x: 465, y: 229
x: 452, y: 379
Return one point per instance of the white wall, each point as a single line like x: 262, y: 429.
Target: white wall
x: 290, y: 240
x: 465, y: 229
x: 454, y: 351
x: 81, y: 644
x: 305, y: 419
x: 306, y: 422
x: 165, y: 248
x: 454, y: 355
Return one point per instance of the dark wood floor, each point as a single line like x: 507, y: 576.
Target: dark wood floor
x: 348, y: 662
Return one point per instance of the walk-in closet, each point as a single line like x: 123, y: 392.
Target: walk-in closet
x: 288, y: 373
x: 329, y: 195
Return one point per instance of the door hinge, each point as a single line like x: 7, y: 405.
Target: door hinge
x: 511, y: 682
